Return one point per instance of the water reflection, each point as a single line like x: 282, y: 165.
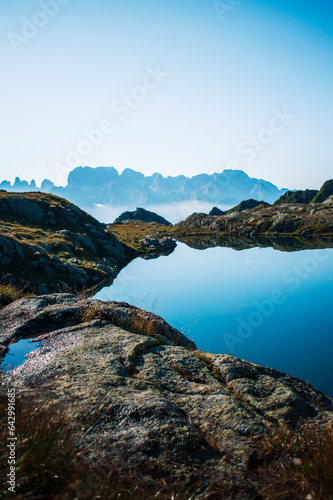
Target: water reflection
x: 267, y: 306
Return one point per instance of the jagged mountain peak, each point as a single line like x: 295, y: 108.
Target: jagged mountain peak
x: 88, y: 186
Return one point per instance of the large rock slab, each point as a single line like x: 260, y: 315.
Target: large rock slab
x: 138, y: 391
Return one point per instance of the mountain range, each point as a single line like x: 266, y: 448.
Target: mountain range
x: 88, y: 186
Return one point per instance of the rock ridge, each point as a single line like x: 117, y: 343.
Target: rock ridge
x: 50, y: 244
x: 308, y: 221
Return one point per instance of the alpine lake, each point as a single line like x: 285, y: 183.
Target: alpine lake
x: 264, y: 305
x: 268, y: 306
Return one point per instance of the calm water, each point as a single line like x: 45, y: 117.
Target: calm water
x: 17, y: 354
x: 269, y: 307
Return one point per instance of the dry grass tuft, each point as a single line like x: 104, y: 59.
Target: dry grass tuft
x: 297, y: 464
x: 8, y: 294
x: 49, y: 464
x: 135, y: 322
x: 45, y: 454
x: 94, y: 311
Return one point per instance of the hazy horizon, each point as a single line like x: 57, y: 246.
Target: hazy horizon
x: 175, y: 88
x: 38, y: 184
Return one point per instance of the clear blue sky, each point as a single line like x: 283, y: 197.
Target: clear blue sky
x: 232, y: 70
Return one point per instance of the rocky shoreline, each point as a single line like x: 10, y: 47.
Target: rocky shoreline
x: 285, y: 226
x: 49, y: 245
x: 299, y: 220
x: 137, y: 390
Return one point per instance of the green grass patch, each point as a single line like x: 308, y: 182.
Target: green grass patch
x: 8, y: 294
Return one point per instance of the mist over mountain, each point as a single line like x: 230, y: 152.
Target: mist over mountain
x: 88, y: 186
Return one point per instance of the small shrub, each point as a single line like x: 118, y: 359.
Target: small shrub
x: 134, y: 323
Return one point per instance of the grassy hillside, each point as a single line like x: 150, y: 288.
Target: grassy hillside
x: 47, y: 244
x: 307, y: 196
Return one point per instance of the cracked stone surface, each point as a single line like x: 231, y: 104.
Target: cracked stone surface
x: 151, y: 399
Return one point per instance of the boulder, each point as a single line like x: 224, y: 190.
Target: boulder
x: 137, y: 391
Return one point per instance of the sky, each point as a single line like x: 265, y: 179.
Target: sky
x: 169, y: 86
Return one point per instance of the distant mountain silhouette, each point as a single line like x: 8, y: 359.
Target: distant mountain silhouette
x: 104, y: 185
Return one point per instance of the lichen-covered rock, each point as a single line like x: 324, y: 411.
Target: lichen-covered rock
x: 285, y: 220
x: 49, y: 243
x: 30, y: 316
x: 138, y: 391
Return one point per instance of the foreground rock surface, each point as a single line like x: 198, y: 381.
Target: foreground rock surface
x: 139, y: 391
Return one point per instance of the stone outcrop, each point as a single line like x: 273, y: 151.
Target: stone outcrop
x: 308, y: 195
x: 142, y: 215
x: 50, y: 244
x: 280, y: 220
x: 138, y: 391
x: 155, y: 247
x: 325, y: 191
x: 246, y: 205
x: 44, y: 209
x: 216, y: 211
x: 299, y: 196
